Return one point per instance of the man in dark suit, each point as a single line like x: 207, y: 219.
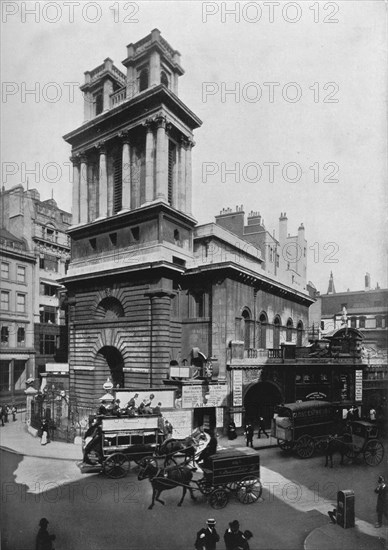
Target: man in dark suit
x: 207, y: 537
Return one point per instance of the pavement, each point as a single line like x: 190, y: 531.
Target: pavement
x: 15, y: 437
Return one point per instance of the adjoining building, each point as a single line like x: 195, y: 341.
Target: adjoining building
x: 42, y: 227
x: 366, y: 311
x: 17, y: 353
x: 200, y: 315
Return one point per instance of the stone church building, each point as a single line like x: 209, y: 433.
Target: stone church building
x: 155, y: 300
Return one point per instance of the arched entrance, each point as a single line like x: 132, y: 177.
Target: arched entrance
x: 260, y: 400
x: 109, y: 362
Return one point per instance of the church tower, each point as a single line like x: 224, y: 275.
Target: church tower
x: 132, y: 219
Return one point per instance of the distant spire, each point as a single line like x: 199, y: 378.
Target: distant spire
x: 52, y: 193
x: 331, y: 289
x: 27, y: 184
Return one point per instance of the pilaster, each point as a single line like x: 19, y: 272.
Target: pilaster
x: 83, y: 190
x: 76, y: 189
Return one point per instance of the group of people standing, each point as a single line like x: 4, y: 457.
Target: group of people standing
x: 249, y: 431
x: 234, y: 539
x: 5, y: 412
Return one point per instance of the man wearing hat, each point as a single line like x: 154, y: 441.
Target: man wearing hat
x: 43, y: 539
x: 236, y: 539
x: 207, y: 537
x: 381, y: 507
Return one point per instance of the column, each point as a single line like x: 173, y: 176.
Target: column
x: 149, y: 179
x: 161, y: 160
x: 75, y: 199
x: 102, y: 184
x: 126, y: 174
x: 182, y: 175
x: 188, y: 189
x: 83, y: 194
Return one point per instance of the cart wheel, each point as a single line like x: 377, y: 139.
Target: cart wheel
x: 219, y: 498
x: 249, y: 490
x: 305, y: 446
x: 232, y: 486
x: 285, y: 446
x: 116, y: 466
x: 373, y: 452
x: 205, y: 486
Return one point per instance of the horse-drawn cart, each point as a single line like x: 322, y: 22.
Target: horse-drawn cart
x: 231, y: 472
x: 362, y: 440
x: 226, y: 473
x: 304, y: 426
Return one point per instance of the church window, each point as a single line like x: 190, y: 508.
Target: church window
x: 289, y: 330
x: 171, y: 169
x: 143, y: 80
x: 117, y: 185
x: 164, y: 79
x: 99, y: 103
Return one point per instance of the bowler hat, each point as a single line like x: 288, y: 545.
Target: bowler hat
x: 43, y: 521
x: 248, y: 534
x: 234, y: 525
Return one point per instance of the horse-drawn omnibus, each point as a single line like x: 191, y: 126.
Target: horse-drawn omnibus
x: 303, y: 426
x: 111, y: 443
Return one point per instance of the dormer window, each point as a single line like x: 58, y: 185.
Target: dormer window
x: 164, y: 79
x: 143, y: 80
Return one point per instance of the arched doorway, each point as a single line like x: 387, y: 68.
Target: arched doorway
x: 260, y: 400
x: 299, y: 334
x: 246, y: 328
x: 109, y: 362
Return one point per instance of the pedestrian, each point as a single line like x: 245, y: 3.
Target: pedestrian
x: 332, y: 515
x: 262, y: 428
x: 249, y: 434
x: 44, y: 430
x: 2, y: 415
x: 234, y: 538
x: 6, y: 413
x: 372, y: 415
x: 232, y: 430
x: 14, y: 411
x: 247, y: 535
x: 168, y: 429
x: 207, y: 537
x: 381, y: 507
x: 43, y: 538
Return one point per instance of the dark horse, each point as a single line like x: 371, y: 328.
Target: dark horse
x: 186, y: 446
x: 163, y: 479
x: 336, y: 444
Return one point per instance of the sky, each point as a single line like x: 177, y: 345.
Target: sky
x: 292, y: 96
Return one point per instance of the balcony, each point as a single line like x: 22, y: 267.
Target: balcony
x: 118, y: 97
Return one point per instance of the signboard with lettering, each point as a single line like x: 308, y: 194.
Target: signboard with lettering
x: 358, y: 388
x: 237, y: 387
x: 204, y: 396
x: 219, y: 417
x: 181, y: 421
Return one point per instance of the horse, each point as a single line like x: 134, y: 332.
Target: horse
x: 335, y: 444
x: 186, y: 446
x: 163, y: 479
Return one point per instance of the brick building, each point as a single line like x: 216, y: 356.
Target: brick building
x: 42, y: 226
